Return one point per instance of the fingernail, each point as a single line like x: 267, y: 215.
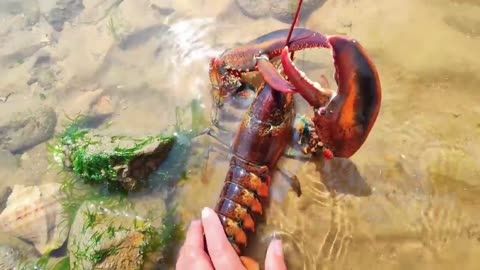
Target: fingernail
x: 206, y: 212
x: 277, y: 247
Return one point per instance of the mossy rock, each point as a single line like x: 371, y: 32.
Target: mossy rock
x: 119, y: 162
x: 105, y: 239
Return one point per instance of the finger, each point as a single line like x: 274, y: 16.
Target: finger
x: 194, y: 237
x: 193, y: 259
x: 192, y: 254
x: 221, y: 252
x: 275, y: 259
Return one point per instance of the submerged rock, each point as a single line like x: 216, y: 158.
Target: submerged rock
x: 105, y: 239
x: 22, y: 130
x: 13, y: 252
x: 96, y: 105
x: 119, y: 162
x: 18, y: 14
x: 7, y: 160
x: 4, y: 193
x: 142, y: 36
x: 10, y: 257
x: 283, y: 11
x: 64, y: 10
x: 43, y: 73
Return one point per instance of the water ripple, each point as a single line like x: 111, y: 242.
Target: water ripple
x: 190, y: 40
x: 316, y: 227
x: 187, y: 54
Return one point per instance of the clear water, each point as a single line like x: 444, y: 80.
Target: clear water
x: 408, y: 199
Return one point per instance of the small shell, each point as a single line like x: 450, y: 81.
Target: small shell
x: 34, y: 214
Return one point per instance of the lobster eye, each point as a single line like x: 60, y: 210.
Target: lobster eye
x: 322, y: 111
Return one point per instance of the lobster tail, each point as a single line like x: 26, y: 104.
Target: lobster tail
x: 245, y: 185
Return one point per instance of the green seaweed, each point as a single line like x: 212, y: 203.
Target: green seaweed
x: 90, y: 253
x: 100, y: 167
x: 168, y: 235
x: 81, y: 151
x: 157, y: 240
x: 63, y: 264
x: 45, y: 263
x: 165, y: 238
x: 115, y: 26
x: 113, y: 29
x: 75, y: 193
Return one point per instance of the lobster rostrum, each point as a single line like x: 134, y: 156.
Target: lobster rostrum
x: 341, y: 123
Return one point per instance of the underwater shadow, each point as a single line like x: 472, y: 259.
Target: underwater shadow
x: 341, y: 175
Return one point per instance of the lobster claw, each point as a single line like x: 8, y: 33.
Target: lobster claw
x: 343, y: 120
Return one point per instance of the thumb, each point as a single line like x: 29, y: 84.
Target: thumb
x: 275, y: 259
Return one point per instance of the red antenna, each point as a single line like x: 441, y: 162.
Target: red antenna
x: 294, y: 24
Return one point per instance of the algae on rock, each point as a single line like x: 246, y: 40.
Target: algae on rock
x: 119, y: 162
x: 101, y: 238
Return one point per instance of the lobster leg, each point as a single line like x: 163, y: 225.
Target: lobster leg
x: 345, y: 122
x: 306, y: 137
x: 292, y: 180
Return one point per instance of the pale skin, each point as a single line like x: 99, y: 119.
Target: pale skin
x: 221, y: 254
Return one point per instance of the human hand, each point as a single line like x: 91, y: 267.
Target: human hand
x: 221, y: 254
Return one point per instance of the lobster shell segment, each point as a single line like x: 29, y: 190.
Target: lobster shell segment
x: 249, y: 180
x: 233, y: 230
x: 242, y: 196
x: 235, y: 211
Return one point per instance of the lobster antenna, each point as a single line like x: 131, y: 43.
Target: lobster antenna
x: 294, y: 24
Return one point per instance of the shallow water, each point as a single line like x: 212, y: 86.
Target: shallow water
x: 408, y: 199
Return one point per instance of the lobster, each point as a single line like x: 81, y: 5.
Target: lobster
x: 341, y: 123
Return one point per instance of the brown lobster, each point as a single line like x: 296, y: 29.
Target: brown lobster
x: 341, y: 123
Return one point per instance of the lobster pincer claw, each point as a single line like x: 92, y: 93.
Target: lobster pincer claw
x: 351, y: 114
x: 345, y: 121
